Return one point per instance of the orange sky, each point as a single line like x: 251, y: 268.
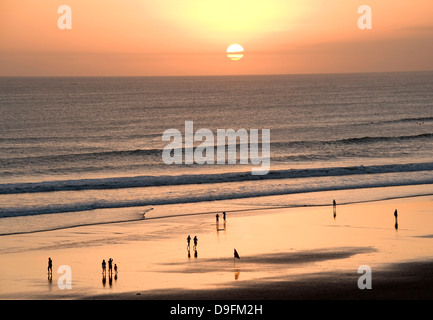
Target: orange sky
x: 189, y: 37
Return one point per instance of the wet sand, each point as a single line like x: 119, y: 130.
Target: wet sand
x: 403, y: 281
x: 285, y: 253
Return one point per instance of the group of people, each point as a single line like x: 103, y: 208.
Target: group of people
x: 218, y: 217
x: 188, y: 239
x: 104, y: 267
x: 110, y: 267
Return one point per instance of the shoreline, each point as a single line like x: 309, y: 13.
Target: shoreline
x: 232, y: 204
x: 286, y: 253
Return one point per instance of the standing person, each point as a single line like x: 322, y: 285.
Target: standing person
x: 188, y: 240
x: 103, y: 266
x: 395, y: 214
x: 115, y: 271
x: 217, y: 217
x: 224, y: 216
x: 110, y: 265
x: 334, y: 207
x: 195, y: 241
x: 50, y: 266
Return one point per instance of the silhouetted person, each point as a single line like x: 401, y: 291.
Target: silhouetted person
x: 395, y: 214
x: 50, y: 266
x: 115, y: 269
x: 103, y: 267
x: 217, y: 217
x: 224, y: 216
x: 188, y: 240
x: 334, y: 207
x: 195, y: 241
x: 110, y: 266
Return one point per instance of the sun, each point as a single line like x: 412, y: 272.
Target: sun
x: 235, y: 52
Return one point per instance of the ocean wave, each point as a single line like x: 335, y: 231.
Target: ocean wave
x: 77, y: 137
x: 416, y: 119
x: 110, y: 154
x: 354, y: 140
x: 208, y: 196
x: 384, y: 139
x: 83, y: 156
x: 172, y: 180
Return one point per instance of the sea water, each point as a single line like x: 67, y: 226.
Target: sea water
x: 77, y: 151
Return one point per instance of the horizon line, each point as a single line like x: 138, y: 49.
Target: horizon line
x: 209, y: 75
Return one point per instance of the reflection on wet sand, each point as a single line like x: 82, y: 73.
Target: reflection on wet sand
x: 237, y: 273
x: 110, y: 276
x: 189, y: 251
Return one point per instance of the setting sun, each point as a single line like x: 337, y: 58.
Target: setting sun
x: 235, y: 52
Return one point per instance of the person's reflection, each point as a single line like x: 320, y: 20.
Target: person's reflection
x: 110, y: 279
x: 104, y: 279
x: 218, y: 229
x: 189, y: 252
x: 50, y: 281
x: 195, y: 253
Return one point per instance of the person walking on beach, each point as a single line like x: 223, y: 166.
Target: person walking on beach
x: 395, y: 214
x: 217, y: 217
x: 50, y: 266
x: 195, y: 241
x: 103, y: 267
x: 224, y: 216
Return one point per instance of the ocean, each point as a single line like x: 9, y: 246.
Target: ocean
x: 77, y: 151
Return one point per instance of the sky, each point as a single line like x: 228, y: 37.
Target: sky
x: 190, y: 37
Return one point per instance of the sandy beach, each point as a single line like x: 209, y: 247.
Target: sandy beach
x: 285, y: 253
